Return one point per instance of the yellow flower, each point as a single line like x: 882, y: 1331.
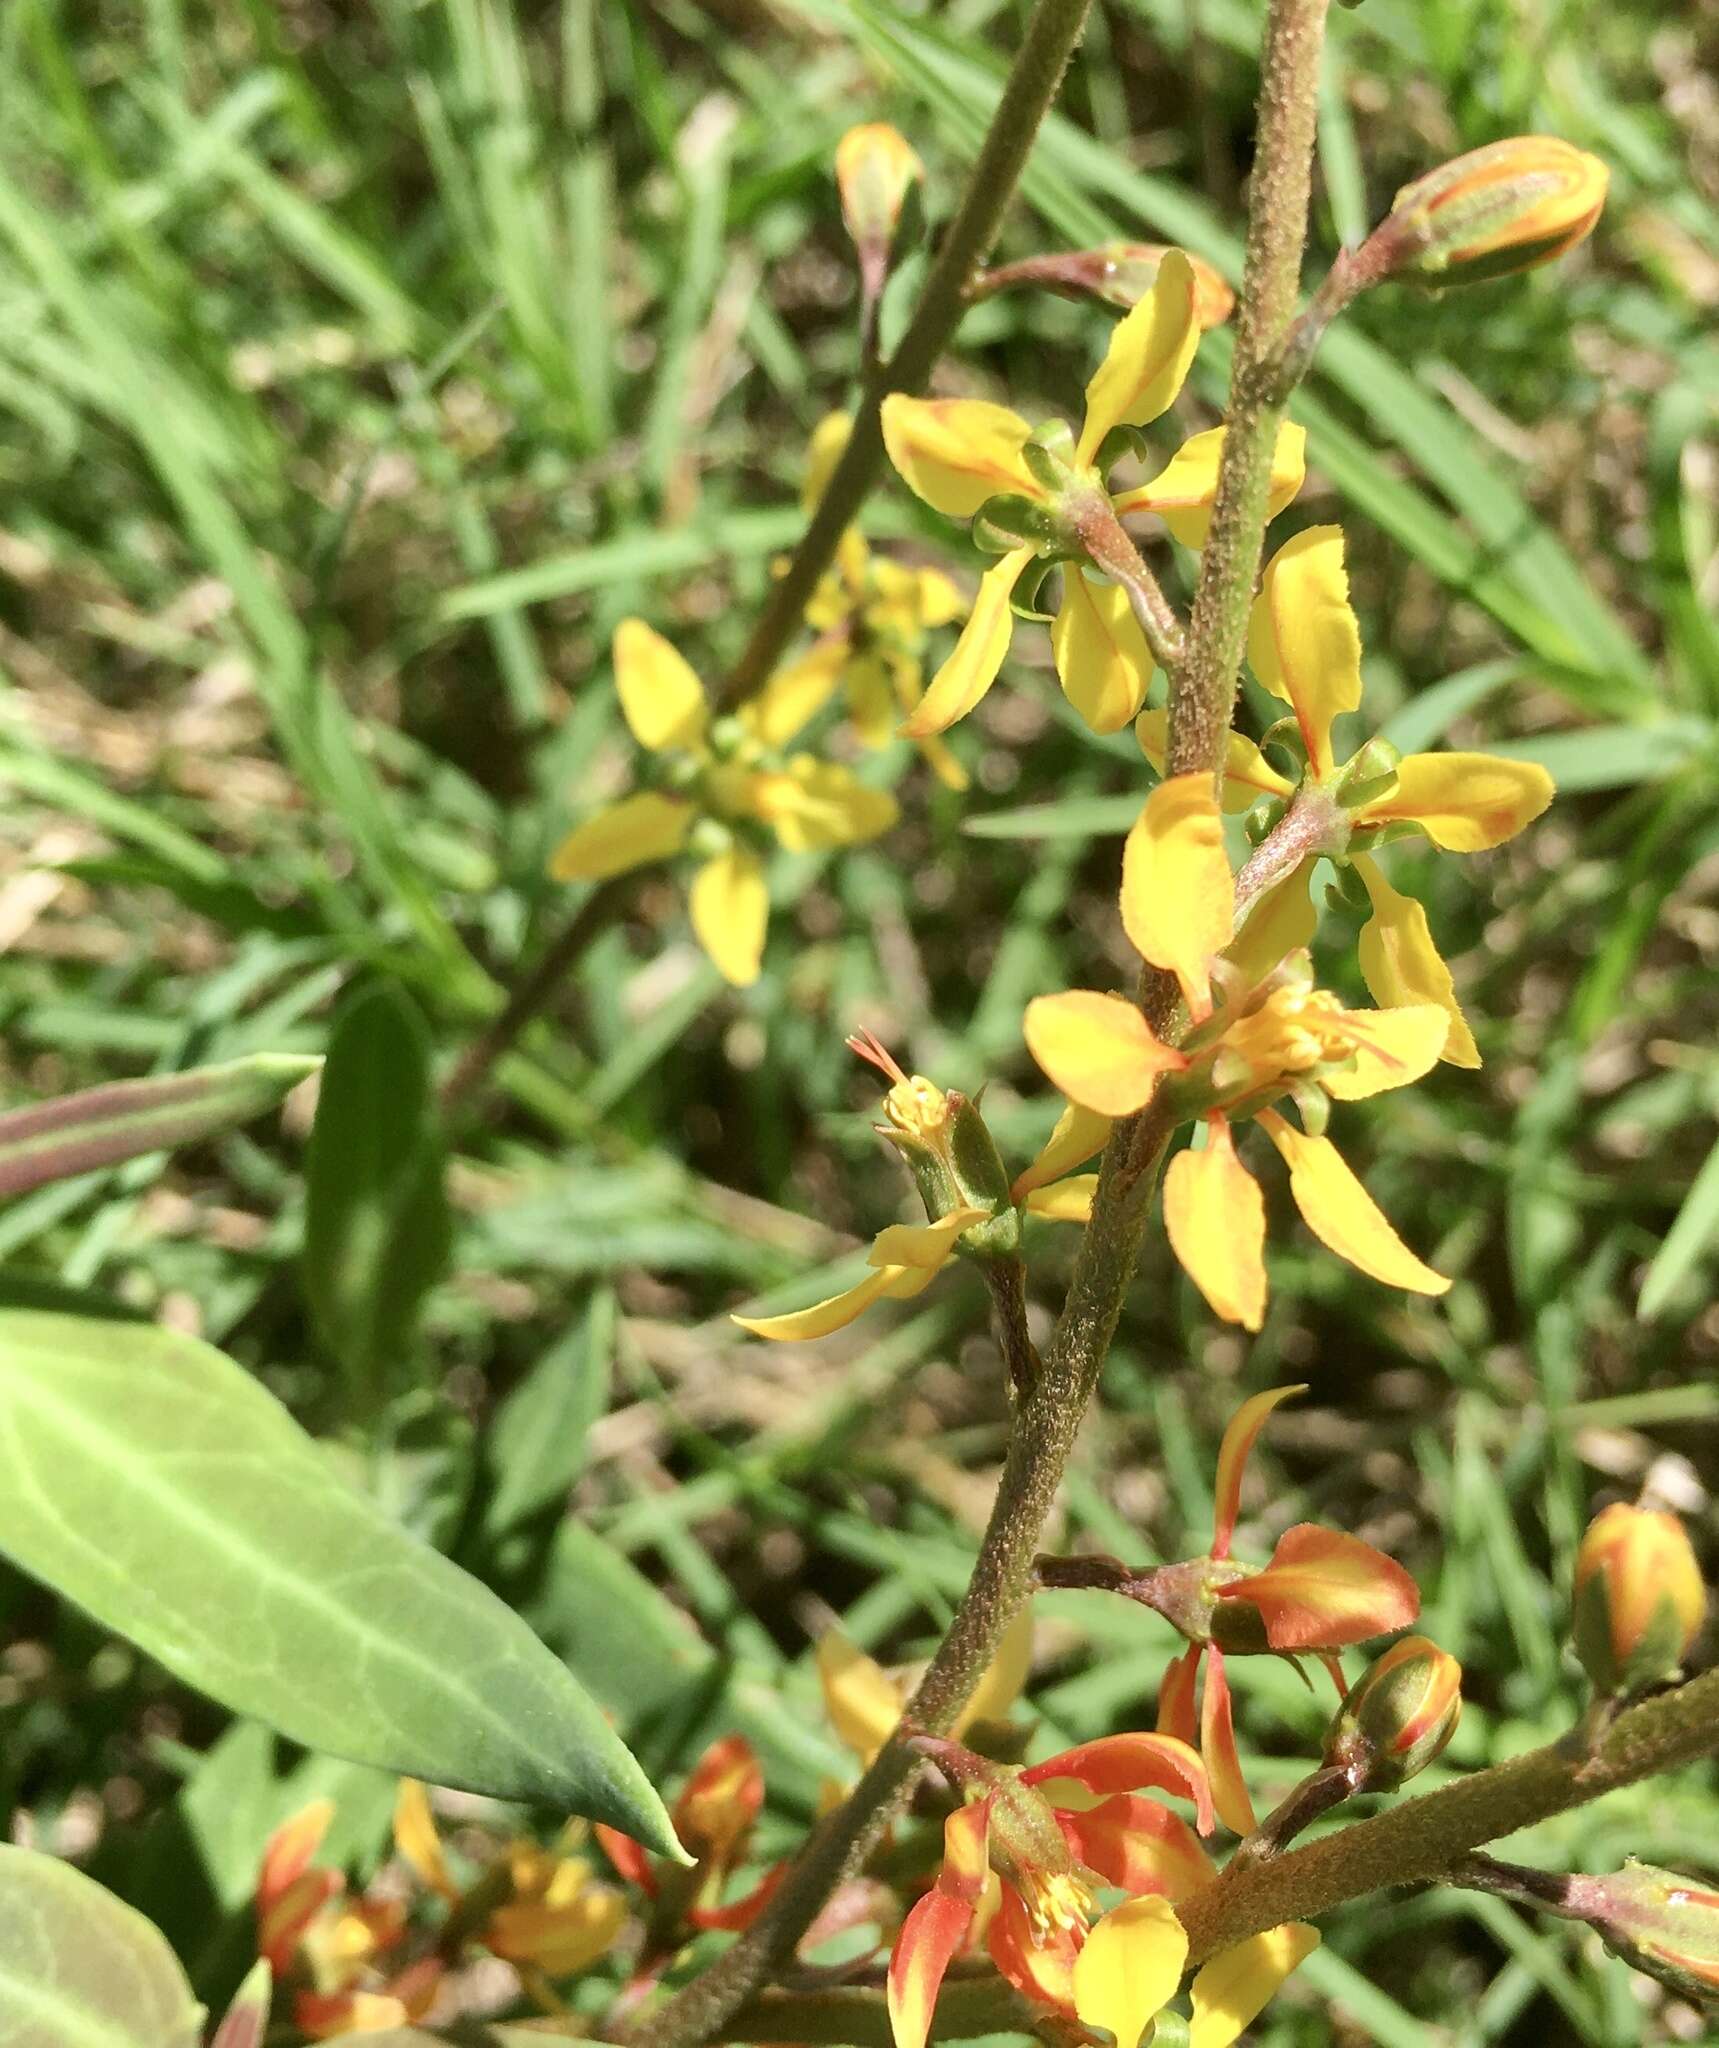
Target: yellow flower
x: 966, y: 1193
x: 874, y: 618
x: 728, y: 784
x: 864, y: 1701
x: 1255, y: 1039
x: 1304, y: 644
x: 1132, y: 1961
x: 958, y: 454
x: 552, y: 1914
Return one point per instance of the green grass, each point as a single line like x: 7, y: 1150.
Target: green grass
x: 359, y: 369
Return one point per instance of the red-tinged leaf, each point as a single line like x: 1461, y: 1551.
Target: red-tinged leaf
x: 100, y: 1127
x: 1324, y: 1589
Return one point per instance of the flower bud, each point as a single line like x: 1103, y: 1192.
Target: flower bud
x: 1639, y: 1599
x: 875, y: 167
x: 1657, y: 1921
x: 1116, y: 273
x: 1399, y: 1715
x: 1495, y: 210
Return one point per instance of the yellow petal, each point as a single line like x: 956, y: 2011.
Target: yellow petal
x: 971, y: 670
x: 626, y: 835
x: 661, y: 699
x: 1400, y: 963
x: 1463, y: 802
x: 872, y: 706
x: 1341, y: 1213
x: 1303, y: 639
x: 1280, y: 923
x: 730, y: 907
x: 1214, y: 1216
x: 1248, y: 775
x: 795, y: 695
x: 1101, y: 655
x: 1098, y: 1050
x: 1079, y: 1133
x: 1065, y: 1201
x: 940, y: 759
x: 814, y: 804
x: 1182, y: 492
x: 1178, y: 895
x: 417, y: 1839
x: 825, y: 449
x: 1129, y: 1967
x: 1392, y: 1048
x: 926, y: 1245
x: 957, y: 452
x: 801, y: 1325
x: 1234, y: 1987
x: 1147, y: 361
x: 1005, y: 1677
x: 936, y: 599
x: 862, y: 1700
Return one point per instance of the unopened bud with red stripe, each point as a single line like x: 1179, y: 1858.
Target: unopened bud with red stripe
x: 1658, y: 1921
x: 1399, y: 1715
x: 876, y: 167
x: 1499, y: 209
x: 1639, y: 1599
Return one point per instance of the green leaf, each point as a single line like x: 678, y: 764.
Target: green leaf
x: 80, y: 1970
x: 377, y: 1231
x: 151, y: 1480
x: 1075, y: 817
x: 1694, y: 1232
x: 536, y: 1445
x: 101, y: 1126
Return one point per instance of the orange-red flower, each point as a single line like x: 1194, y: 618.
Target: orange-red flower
x: 1322, y: 1591
x: 714, y: 1818
x: 1050, y: 1835
x: 307, y: 1928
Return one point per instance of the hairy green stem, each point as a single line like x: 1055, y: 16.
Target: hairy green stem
x: 1111, y: 547
x: 1271, y: 281
x: 1032, y: 86
x: 1007, y: 1281
x: 1422, y: 1840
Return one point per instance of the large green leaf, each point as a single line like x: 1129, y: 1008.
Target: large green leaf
x: 376, y: 1226
x: 150, y: 1479
x: 80, y: 1970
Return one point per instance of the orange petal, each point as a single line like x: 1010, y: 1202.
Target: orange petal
x: 957, y: 452
x: 1177, y: 1713
x: 1098, y: 1050
x: 972, y: 668
x: 1214, y: 1216
x: 289, y: 1849
x: 1303, y: 640
x: 1124, y: 1763
x: 1139, y: 1845
x: 1239, y: 1439
x: 1218, y: 1744
x: 1463, y: 802
x: 1178, y: 895
x: 1341, y: 1213
x: 1102, y: 659
x: 924, y: 1949
x: 1324, y: 1589
x: 630, y: 1861
x: 1039, y: 1966
x: 721, y: 1799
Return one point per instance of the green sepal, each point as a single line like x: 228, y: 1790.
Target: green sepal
x: 1121, y: 443
x: 1049, y: 454
x: 1013, y: 520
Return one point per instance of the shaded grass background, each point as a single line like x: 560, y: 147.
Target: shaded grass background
x: 360, y: 367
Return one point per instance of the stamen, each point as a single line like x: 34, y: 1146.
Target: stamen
x: 871, y: 1049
